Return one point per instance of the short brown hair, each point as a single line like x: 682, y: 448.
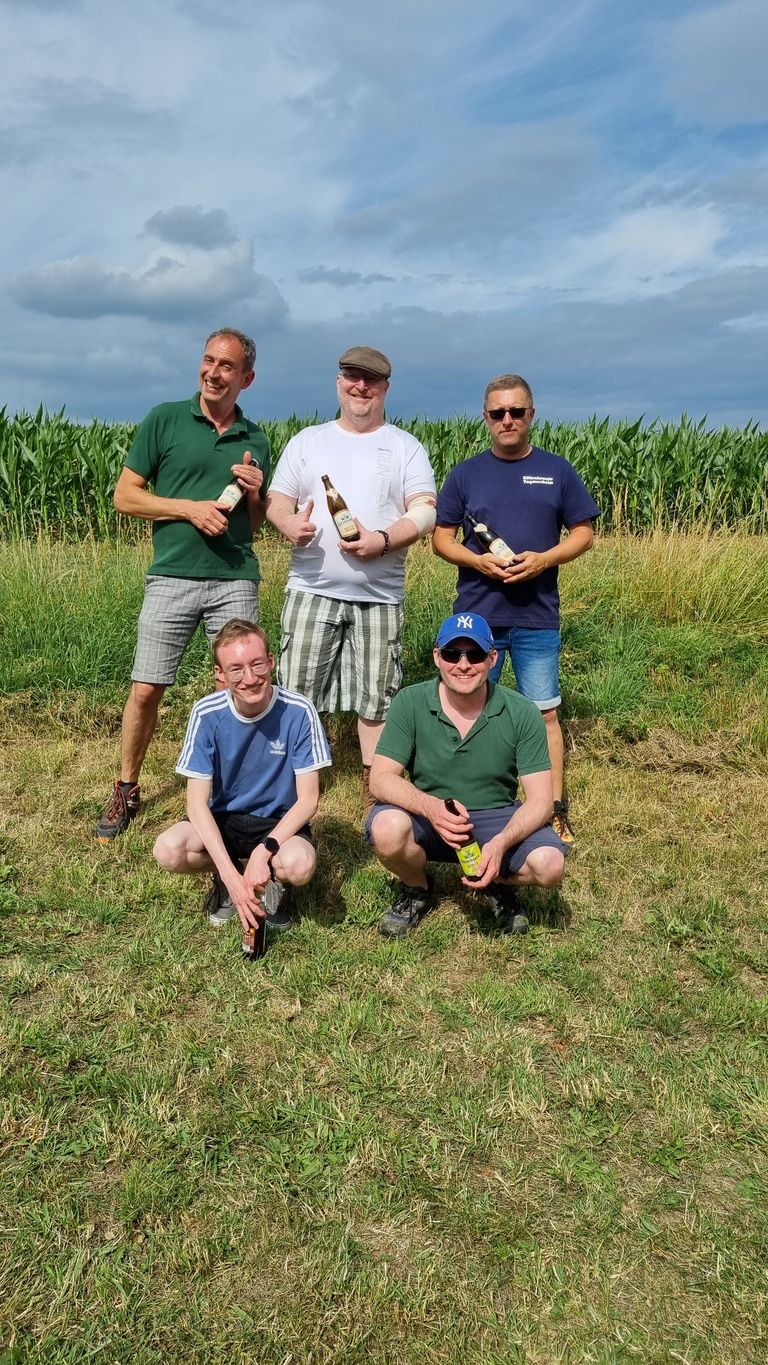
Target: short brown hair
x: 508, y: 381
x: 248, y: 344
x: 237, y: 629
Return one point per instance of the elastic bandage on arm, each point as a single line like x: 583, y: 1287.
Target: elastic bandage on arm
x: 422, y: 512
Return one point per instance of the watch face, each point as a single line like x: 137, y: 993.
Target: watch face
x: 271, y: 845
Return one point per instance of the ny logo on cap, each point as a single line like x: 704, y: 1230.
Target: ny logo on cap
x: 465, y: 621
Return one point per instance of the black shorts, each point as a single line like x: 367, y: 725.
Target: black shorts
x: 243, y: 833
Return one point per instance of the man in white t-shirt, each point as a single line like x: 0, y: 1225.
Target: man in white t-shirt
x: 343, y: 614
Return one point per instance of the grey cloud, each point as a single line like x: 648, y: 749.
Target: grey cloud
x: 190, y: 225
x: 472, y: 202
x: 715, y: 63
x: 68, y: 119
x: 167, y: 288
x: 343, y: 279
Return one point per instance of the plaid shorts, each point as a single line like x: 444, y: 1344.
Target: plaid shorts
x: 171, y: 613
x: 342, y: 655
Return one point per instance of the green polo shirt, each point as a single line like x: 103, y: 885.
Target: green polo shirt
x: 179, y: 452
x: 507, y: 740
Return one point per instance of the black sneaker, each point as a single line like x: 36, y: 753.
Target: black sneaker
x: 217, y: 904
x: 122, y: 807
x: 404, y: 914
x: 507, y: 910
x: 561, y: 824
x: 276, y: 900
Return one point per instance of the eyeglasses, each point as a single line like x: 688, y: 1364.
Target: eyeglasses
x: 474, y: 655
x: 236, y: 673
x: 497, y: 414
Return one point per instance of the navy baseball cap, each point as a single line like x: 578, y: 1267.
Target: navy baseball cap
x: 466, y: 625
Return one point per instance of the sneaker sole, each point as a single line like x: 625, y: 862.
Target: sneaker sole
x: 222, y: 916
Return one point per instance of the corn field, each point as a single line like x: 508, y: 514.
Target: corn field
x: 57, y: 477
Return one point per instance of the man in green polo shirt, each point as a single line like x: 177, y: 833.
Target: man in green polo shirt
x: 203, y: 568
x: 465, y: 741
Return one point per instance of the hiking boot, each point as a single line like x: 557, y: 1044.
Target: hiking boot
x: 121, y: 808
x: 404, y: 914
x: 217, y: 904
x: 561, y: 825
x: 276, y: 900
x: 507, y: 910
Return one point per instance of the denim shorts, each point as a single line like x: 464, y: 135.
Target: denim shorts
x: 534, y: 655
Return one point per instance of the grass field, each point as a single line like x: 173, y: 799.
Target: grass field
x: 463, y: 1148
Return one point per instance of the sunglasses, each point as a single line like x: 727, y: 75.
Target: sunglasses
x: 473, y: 655
x: 497, y: 414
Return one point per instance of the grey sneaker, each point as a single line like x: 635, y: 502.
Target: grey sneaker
x: 507, y: 910
x: 217, y: 904
x: 276, y: 900
x: 122, y: 806
x: 413, y: 903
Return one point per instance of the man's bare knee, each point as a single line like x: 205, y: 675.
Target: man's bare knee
x: 296, y: 861
x: 146, y: 696
x: 545, y: 866
x: 390, y: 831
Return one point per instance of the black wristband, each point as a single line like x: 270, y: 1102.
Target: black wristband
x: 385, y: 534
x: 272, y: 847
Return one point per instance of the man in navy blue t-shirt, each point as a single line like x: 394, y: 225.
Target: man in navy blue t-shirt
x: 523, y: 497
x: 252, y: 756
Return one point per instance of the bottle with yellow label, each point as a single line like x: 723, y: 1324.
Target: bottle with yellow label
x: 230, y: 498
x: 345, y: 522
x: 470, y: 854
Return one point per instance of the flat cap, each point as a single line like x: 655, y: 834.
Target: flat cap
x: 366, y: 358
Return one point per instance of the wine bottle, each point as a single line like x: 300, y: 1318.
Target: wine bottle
x: 469, y: 854
x: 230, y: 498
x: 491, y: 541
x: 345, y: 522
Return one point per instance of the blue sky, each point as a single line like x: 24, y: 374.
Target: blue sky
x: 573, y: 191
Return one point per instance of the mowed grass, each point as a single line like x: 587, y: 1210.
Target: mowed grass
x: 461, y: 1148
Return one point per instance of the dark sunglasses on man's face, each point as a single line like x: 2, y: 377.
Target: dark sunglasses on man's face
x: 473, y: 655
x: 497, y: 414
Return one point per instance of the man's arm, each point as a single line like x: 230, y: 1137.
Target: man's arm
x: 400, y: 533
x: 204, y: 825
x: 530, y: 563
x: 388, y: 784
x: 257, y: 872
x: 133, y: 499
x: 535, y: 812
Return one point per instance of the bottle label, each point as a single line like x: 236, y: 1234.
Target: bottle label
x: 231, y: 497
x: 469, y: 857
x: 500, y: 548
x: 345, y: 524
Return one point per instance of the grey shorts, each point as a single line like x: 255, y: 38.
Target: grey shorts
x: 171, y: 612
x: 342, y: 655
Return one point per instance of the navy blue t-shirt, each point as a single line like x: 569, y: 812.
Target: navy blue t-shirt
x: 527, y: 502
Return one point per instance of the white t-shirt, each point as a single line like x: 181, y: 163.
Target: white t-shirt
x: 374, y: 472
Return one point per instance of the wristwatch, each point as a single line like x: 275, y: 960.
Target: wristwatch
x: 272, y: 847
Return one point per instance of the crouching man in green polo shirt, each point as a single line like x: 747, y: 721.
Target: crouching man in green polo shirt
x: 463, y: 740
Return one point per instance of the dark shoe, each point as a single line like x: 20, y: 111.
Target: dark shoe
x: 507, y: 910
x: 560, y: 824
x: 404, y: 914
x: 217, y: 904
x: 276, y: 900
x: 121, y: 808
